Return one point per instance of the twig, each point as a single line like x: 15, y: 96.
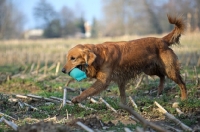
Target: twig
x: 139, y: 82
x: 64, y: 96
x: 51, y: 119
x: 40, y: 97
x: 21, y: 96
x: 32, y: 107
x: 92, y: 100
x: 171, y: 117
x: 32, y: 66
x: 197, y: 79
x: 110, y: 107
x: 179, y: 111
x: 142, y: 120
x: 132, y: 102
x: 60, y: 100
x: 51, y: 67
x: 127, y: 129
x: 139, y: 129
x: 7, y: 116
x: 57, y: 68
x: 84, y: 127
x: 85, y: 107
x: 172, y: 128
x: 9, y: 123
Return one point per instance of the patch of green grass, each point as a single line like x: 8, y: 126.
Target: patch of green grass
x: 12, y: 69
x: 190, y: 103
x: 75, y: 110
x: 120, y: 127
x: 39, y: 115
x: 107, y: 116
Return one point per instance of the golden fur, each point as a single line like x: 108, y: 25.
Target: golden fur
x: 121, y: 61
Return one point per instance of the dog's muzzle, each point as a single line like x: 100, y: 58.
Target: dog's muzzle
x: 64, y: 70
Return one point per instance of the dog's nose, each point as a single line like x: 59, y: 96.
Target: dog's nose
x: 64, y: 70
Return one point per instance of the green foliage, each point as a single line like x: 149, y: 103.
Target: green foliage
x: 53, y: 29
x: 120, y: 127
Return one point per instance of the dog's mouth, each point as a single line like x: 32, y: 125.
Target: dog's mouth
x: 81, y: 67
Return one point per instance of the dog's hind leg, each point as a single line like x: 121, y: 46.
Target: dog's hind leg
x: 156, y: 71
x: 172, y: 70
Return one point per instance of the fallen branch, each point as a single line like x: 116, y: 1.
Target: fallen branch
x: 172, y: 128
x: 7, y: 116
x: 171, y: 117
x: 110, y: 107
x: 92, y: 100
x: 32, y: 107
x: 84, y: 127
x: 40, y: 97
x: 64, y: 96
x: 139, y: 129
x: 133, y: 118
x: 126, y: 129
x: 132, y: 102
x: 9, y: 123
x: 21, y: 96
x: 60, y: 100
x: 144, y: 122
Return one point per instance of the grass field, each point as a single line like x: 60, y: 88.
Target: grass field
x: 33, y: 67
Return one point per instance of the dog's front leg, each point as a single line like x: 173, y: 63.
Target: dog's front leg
x: 100, y: 84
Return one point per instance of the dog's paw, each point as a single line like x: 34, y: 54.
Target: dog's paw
x: 76, y: 100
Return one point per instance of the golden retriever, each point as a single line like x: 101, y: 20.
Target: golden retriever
x: 121, y: 61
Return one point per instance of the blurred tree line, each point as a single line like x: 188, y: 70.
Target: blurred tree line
x: 121, y: 17
x: 11, y: 20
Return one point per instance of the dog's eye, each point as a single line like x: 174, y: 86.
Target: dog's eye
x: 72, y: 58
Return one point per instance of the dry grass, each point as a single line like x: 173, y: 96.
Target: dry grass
x: 53, y: 50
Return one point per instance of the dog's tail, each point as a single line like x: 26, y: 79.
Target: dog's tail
x: 174, y: 36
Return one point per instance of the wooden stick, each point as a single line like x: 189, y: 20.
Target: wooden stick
x: 40, y: 97
x: 61, y: 100
x: 21, y: 96
x: 139, y: 129
x: 32, y: 66
x: 132, y: 102
x: 57, y: 68
x: 142, y: 120
x: 110, y: 107
x: 179, y: 111
x: 51, y: 67
x: 126, y: 129
x: 171, y: 117
x: 133, y: 118
x: 34, y: 108
x: 196, y: 74
x: 7, y: 116
x: 84, y: 127
x: 38, y: 66
x: 9, y: 123
x: 64, y: 96
x: 140, y: 81
x: 92, y: 100
x: 172, y: 128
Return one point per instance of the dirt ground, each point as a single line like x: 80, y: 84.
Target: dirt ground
x: 56, y: 122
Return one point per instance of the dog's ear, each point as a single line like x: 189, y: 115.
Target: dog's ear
x: 89, y: 56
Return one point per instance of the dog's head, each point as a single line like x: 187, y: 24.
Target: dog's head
x: 79, y: 57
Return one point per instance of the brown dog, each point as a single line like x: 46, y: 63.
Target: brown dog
x: 121, y: 61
